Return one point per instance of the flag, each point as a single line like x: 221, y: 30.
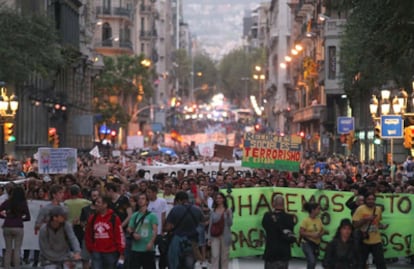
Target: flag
x: 95, y: 152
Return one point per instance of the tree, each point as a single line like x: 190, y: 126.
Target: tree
x: 122, y: 85
x: 377, y: 45
x: 205, y: 76
x: 236, y: 70
x: 29, y: 45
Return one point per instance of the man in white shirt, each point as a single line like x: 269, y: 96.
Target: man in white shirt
x: 158, y: 206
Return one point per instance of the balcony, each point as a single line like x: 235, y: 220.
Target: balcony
x: 309, y: 113
x: 120, y: 12
x: 334, y: 27
x: 110, y: 47
x: 305, y: 7
x: 148, y: 34
x: 145, y: 9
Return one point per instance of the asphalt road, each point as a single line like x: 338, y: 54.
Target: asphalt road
x: 255, y: 263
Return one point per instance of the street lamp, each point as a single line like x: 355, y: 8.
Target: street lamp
x: 388, y: 105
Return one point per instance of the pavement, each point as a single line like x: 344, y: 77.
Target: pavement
x: 256, y: 263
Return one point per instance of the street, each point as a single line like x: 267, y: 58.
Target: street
x: 256, y: 263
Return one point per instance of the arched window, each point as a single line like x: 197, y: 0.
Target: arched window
x: 106, y: 34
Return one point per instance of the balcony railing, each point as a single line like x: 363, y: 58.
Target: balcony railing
x: 309, y: 113
x: 116, y: 11
x: 124, y: 45
x: 148, y: 34
x: 145, y: 8
x: 334, y: 27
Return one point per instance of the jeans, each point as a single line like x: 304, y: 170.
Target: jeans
x: 309, y: 252
x: 219, y: 253
x: 377, y: 252
x: 13, y: 238
x: 144, y: 260
x: 102, y: 260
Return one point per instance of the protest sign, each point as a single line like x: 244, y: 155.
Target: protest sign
x: 206, y: 149
x: 225, y: 152
x: 272, y: 151
x: 57, y: 160
x: 250, y: 204
x: 3, y: 167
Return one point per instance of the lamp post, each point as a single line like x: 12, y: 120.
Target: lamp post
x: 388, y: 105
x: 260, y: 77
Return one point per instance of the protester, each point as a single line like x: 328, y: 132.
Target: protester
x: 311, y: 232
x: 104, y: 236
x: 143, y: 227
x: 158, y: 206
x: 341, y: 252
x: 182, y: 222
x: 278, y: 226
x: 220, y: 242
x: 57, y: 241
x: 367, y: 218
x: 15, y: 211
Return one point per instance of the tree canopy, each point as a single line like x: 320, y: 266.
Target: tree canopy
x: 29, y: 44
x: 122, y: 85
x: 377, y: 45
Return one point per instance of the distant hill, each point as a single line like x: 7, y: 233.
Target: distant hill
x: 218, y: 24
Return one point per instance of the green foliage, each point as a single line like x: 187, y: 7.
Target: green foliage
x: 183, y: 71
x: 377, y: 45
x: 205, y: 73
x: 28, y: 44
x: 126, y: 78
x: 236, y: 70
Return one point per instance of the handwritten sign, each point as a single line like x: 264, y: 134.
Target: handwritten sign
x: 272, y: 151
x: 250, y: 204
x: 57, y: 160
x: 3, y: 167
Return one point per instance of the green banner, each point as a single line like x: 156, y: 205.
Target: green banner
x: 272, y: 151
x: 250, y: 204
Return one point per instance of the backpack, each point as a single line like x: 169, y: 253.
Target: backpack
x: 112, y: 220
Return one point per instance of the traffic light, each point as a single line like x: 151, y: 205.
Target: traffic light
x: 302, y: 134
x: 377, y: 134
x: 113, y: 133
x: 257, y: 127
x: 53, y: 137
x: 350, y: 140
x: 409, y: 137
x: 8, y: 132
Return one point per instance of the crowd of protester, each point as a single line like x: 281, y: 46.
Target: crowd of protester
x: 143, y: 203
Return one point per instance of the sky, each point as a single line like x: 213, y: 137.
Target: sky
x: 217, y: 24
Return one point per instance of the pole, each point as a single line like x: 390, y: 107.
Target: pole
x: 392, y: 151
x: 177, y: 41
x: 2, y: 146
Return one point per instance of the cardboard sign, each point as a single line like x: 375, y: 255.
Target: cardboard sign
x: 225, y: 152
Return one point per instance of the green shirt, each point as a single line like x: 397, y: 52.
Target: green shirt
x: 144, y: 229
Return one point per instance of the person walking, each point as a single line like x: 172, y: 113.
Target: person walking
x: 16, y: 211
x: 182, y: 222
x: 278, y: 226
x: 143, y: 227
x: 311, y: 232
x: 341, y: 252
x: 104, y: 237
x: 220, y: 238
x: 57, y: 241
x: 367, y: 218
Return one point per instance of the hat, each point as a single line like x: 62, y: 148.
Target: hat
x: 57, y: 211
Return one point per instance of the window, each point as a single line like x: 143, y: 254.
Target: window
x: 106, y: 34
x: 106, y: 4
x: 142, y: 48
x: 331, y: 62
x: 142, y: 24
